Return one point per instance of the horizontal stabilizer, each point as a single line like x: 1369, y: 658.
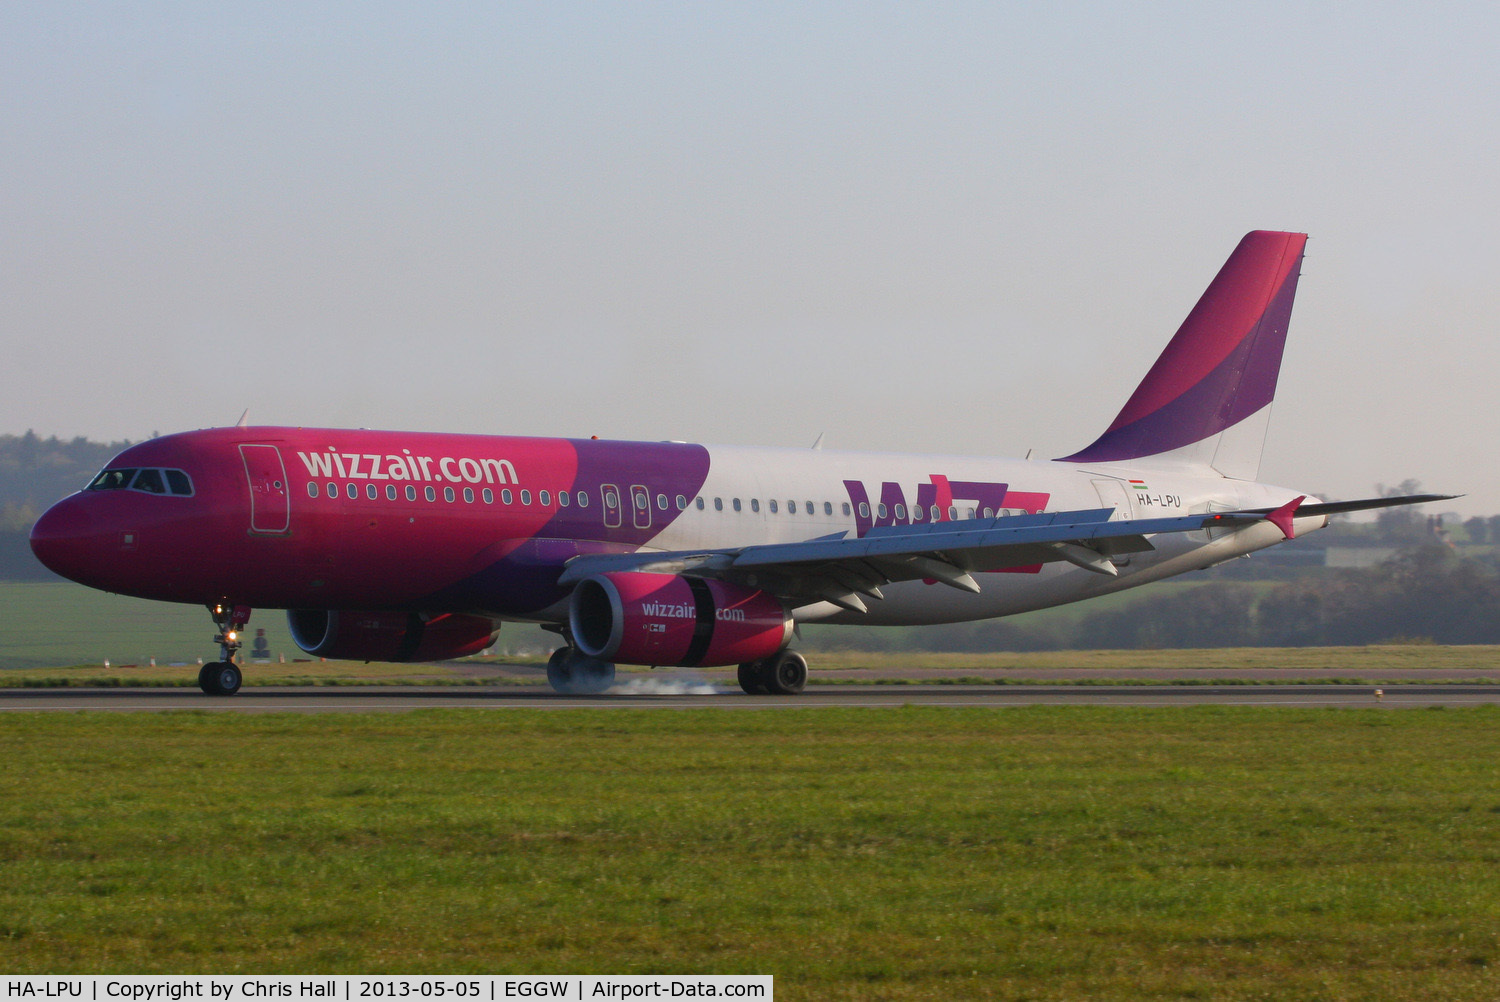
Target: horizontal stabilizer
x: 1282, y: 517
x: 1369, y: 504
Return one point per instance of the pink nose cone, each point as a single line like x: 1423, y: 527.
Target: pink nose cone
x: 65, y: 539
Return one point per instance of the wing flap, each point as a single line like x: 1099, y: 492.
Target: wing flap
x: 847, y: 571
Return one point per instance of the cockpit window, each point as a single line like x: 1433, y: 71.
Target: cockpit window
x: 148, y: 481
x: 112, y: 480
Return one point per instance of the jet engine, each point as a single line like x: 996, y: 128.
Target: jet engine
x: 642, y: 618
x: 389, y: 636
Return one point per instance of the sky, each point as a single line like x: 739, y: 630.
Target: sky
x: 957, y: 228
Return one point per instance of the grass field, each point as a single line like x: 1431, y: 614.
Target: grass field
x: 60, y: 634
x: 1039, y: 853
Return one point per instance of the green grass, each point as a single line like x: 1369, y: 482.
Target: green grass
x: 914, y: 853
x: 52, y: 624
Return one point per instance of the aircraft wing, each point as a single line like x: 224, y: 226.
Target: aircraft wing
x: 845, y: 571
x: 841, y: 570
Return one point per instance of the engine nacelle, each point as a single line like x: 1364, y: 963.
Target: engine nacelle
x: 667, y: 620
x: 389, y: 636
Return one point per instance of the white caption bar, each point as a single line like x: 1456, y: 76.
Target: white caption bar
x: 371, y: 988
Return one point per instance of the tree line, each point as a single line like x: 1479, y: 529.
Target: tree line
x: 36, y: 471
x: 1429, y: 589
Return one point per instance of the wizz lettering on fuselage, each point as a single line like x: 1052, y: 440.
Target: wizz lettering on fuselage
x: 938, y: 500
x: 367, y: 466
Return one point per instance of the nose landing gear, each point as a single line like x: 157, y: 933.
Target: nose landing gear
x: 223, y: 677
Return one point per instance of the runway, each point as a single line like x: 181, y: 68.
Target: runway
x: 397, y: 699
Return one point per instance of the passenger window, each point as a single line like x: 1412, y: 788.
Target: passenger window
x: 864, y: 509
x: 736, y: 503
x: 611, y: 499
x: 774, y: 509
x: 881, y: 510
x: 332, y: 490
x: 179, y: 483
x: 682, y: 503
x: 755, y: 504
x: 791, y: 507
x: 900, y: 512
x: 390, y: 492
x: 468, y: 495
x: 506, y: 496
x: 448, y: 494
x: 810, y: 509
x: 583, y: 499
x: 430, y: 493
x: 149, y: 481
x: 563, y: 499
x: 489, y: 496
x: 699, y: 503
x: 846, y: 509
x: 661, y: 502
x: 827, y: 507
x: 718, y: 504
x: 953, y: 514
x: 526, y: 497
x: 372, y: 492
x: 353, y: 492
x: 411, y: 493
x: 544, y: 498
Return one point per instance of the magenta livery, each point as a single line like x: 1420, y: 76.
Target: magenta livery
x: 410, y: 546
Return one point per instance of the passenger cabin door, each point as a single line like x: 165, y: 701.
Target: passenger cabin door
x: 610, y: 495
x: 1112, y: 494
x: 270, y: 508
x: 640, y: 500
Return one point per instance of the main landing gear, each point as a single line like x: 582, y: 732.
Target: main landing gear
x: 570, y: 671
x: 223, y: 677
x: 783, y: 674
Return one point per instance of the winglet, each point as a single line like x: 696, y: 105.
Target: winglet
x: 1282, y: 517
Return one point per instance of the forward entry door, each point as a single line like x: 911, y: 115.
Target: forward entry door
x: 270, y: 508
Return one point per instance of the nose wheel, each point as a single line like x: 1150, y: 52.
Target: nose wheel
x: 223, y: 677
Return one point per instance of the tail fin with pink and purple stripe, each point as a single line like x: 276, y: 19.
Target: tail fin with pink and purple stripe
x: 1207, y: 399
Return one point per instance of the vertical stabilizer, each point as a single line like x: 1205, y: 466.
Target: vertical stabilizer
x: 1207, y: 399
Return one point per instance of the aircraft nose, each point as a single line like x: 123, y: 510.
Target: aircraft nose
x: 64, y: 537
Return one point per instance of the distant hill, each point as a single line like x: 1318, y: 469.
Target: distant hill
x: 34, y: 472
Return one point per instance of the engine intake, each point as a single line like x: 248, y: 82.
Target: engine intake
x: 389, y: 636
x: 641, y: 618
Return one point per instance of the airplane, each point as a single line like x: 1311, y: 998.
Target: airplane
x: 408, y: 546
